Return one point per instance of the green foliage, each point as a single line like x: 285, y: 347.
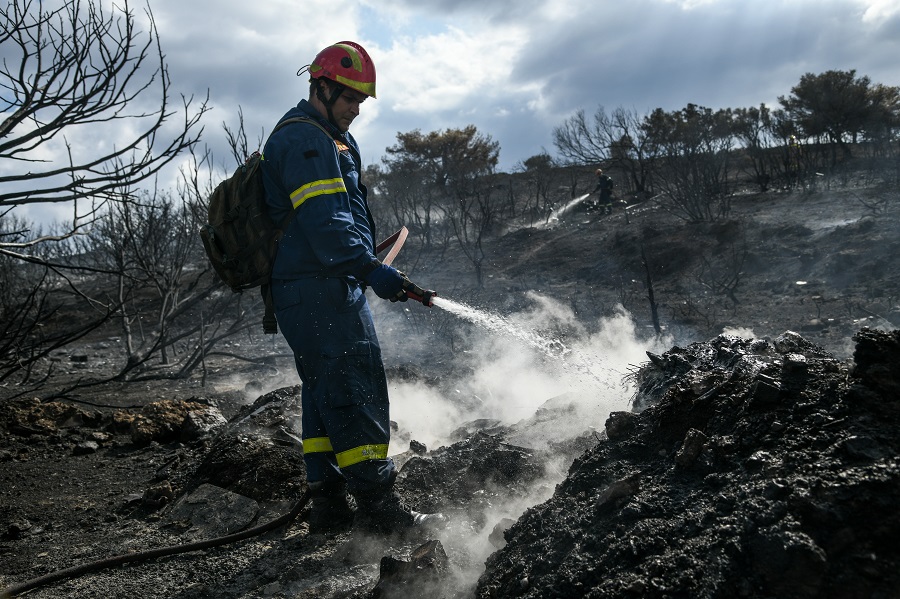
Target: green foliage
x: 440, y: 182
x: 832, y: 104
x: 538, y: 162
x: 652, y: 154
x: 841, y: 107
x: 444, y: 157
x: 693, y: 148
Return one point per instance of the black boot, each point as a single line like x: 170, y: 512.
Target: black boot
x: 382, y: 511
x: 331, y: 508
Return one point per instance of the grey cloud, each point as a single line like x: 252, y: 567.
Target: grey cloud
x: 640, y: 54
x: 651, y: 54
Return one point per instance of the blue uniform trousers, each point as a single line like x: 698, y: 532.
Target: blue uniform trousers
x: 344, y: 398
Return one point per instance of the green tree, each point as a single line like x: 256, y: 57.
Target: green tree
x: 449, y: 157
x: 149, y: 247
x: 883, y: 123
x: 753, y: 127
x: 693, y: 146
x: 445, y: 176
x: 836, y: 105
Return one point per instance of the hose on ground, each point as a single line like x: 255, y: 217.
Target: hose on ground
x: 128, y: 558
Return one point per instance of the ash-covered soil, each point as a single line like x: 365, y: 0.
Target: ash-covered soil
x: 758, y: 470
x: 761, y: 464
x: 747, y: 468
x: 822, y: 263
x: 81, y: 486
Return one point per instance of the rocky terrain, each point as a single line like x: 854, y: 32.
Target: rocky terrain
x: 757, y: 470
x: 757, y: 463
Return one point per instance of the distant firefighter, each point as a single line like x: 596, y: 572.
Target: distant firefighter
x: 604, y: 186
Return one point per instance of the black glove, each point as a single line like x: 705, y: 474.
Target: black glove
x: 387, y: 282
x: 391, y: 284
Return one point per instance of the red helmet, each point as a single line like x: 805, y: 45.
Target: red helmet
x: 346, y: 63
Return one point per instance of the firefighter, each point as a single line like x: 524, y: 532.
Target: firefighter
x: 604, y: 187
x: 325, y: 261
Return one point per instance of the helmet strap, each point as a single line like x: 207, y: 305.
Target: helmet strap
x: 329, y: 102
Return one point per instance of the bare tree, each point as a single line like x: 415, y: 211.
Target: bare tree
x: 406, y: 196
x: 72, y: 74
x: 149, y: 245
x: 581, y: 141
x: 40, y: 304
x: 238, y: 141
x: 651, y: 295
x: 694, y: 158
x: 474, y: 213
x: 722, y: 272
x: 78, y: 70
x: 617, y: 139
x: 35, y: 302
x: 543, y: 177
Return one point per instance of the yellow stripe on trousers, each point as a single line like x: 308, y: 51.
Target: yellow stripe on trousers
x: 349, y: 457
x: 361, y: 454
x: 317, y: 445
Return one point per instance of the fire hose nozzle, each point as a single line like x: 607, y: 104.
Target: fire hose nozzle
x: 426, y: 297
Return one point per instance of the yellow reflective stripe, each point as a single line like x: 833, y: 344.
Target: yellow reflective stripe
x: 361, y: 454
x: 317, y: 188
x: 360, y: 86
x: 317, y: 445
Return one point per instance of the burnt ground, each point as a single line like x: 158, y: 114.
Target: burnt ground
x: 759, y: 470
x: 755, y: 465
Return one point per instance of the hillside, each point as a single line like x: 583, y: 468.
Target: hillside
x: 758, y: 463
x: 821, y: 262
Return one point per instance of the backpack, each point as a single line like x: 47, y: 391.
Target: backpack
x: 240, y: 238
x: 608, y: 182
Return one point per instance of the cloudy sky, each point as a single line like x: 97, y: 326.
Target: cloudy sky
x: 514, y: 68
x: 518, y: 68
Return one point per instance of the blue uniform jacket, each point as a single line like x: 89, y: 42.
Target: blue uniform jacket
x: 332, y: 233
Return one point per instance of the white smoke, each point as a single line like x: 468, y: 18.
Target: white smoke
x: 520, y: 362
x: 742, y: 332
x: 542, y: 371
